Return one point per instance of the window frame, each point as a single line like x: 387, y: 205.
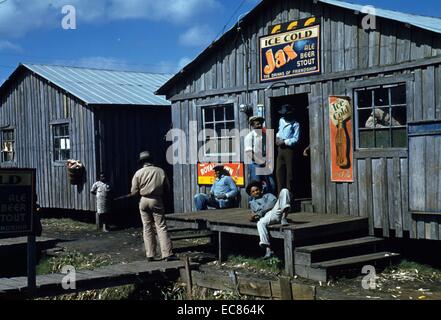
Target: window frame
x: 407, y: 80
x: 217, y: 157
x: 53, y: 137
x: 14, y: 141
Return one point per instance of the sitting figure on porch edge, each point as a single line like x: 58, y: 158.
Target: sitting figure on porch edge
x: 223, y: 193
x: 267, y: 210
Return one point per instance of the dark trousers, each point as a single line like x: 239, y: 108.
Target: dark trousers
x: 284, y: 170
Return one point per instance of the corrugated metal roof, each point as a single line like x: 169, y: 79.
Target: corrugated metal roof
x: 428, y: 23
x: 95, y: 86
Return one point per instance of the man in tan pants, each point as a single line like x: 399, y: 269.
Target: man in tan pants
x: 152, y: 185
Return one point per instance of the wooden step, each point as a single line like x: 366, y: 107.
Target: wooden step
x: 334, y: 250
x: 331, y: 230
x: 306, y: 206
x: 198, y: 235
x: 322, y: 270
x: 12, y: 244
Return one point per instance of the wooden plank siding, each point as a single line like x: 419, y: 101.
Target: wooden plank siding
x: 105, y: 138
x: 31, y: 107
x: 382, y: 178
x: 125, y: 132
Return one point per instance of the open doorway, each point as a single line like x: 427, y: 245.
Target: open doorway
x: 301, y: 164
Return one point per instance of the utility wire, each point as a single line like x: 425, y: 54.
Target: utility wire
x: 231, y: 18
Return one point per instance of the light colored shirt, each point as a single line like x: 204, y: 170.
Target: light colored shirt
x: 224, y: 185
x: 289, y: 132
x: 102, y: 192
x: 253, y: 143
x: 263, y: 205
x: 150, y: 181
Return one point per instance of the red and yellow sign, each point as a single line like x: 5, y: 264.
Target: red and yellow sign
x: 341, y: 139
x: 206, y: 174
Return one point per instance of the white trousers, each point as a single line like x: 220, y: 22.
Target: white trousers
x: 273, y: 217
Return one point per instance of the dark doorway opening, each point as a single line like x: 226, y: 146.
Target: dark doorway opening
x: 302, y: 164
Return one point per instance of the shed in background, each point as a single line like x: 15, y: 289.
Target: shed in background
x: 103, y: 118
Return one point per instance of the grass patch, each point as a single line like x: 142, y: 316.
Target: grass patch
x: 75, y: 259
x: 273, y: 265
x: 84, y: 262
x: 421, y: 269
x: 67, y: 225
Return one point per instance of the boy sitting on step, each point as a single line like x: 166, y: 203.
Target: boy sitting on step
x: 267, y: 210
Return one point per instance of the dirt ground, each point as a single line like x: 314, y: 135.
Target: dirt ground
x: 406, y: 281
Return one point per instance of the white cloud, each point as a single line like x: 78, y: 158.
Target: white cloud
x: 17, y: 17
x: 9, y: 46
x: 173, y: 10
x: 197, y: 36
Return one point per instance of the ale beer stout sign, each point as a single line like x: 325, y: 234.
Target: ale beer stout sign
x: 341, y: 138
x: 17, y: 199
x: 292, y: 50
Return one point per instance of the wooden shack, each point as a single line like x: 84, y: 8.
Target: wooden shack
x: 103, y: 118
x: 370, y: 60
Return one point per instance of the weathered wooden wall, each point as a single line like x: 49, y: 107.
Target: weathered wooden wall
x: 124, y: 132
x: 345, y: 46
x: 30, y: 107
x: 349, y: 53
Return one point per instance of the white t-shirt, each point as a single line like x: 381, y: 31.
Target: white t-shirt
x: 253, y: 142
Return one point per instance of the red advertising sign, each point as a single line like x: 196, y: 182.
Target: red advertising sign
x: 206, y: 174
x: 341, y: 139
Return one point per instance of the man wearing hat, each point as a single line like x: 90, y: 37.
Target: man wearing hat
x: 286, y: 139
x: 255, y: 148
x: 152, y: 185
x: 223, y: 193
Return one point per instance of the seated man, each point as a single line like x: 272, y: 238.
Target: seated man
x: 267, y: 210
x: 223, y: 193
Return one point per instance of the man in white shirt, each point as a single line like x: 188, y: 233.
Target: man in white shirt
x: 255, y: 148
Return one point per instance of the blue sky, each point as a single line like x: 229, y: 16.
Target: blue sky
x: 146, y: 35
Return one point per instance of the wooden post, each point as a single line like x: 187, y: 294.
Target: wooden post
x: 220, y: 249
x: 189, y: 279
x: 285, y: 288
x: 233, y: 276
x: 32, y: 277
x: 97, y: 220
x: 289, y: 252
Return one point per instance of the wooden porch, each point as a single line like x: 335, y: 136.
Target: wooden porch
x: 304, y: 228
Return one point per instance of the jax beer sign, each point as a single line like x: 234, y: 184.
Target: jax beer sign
x: 290, y: 53
x: 17, y: 199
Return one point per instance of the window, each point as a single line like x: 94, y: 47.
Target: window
x: 382, y: 116
x: 61, y: 142
x: 217, y: 123
x: 8, y: 145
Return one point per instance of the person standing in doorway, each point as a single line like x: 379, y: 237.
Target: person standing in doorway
x: 286, y: 139
x: 151, y: 183
x: 255, y: 148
